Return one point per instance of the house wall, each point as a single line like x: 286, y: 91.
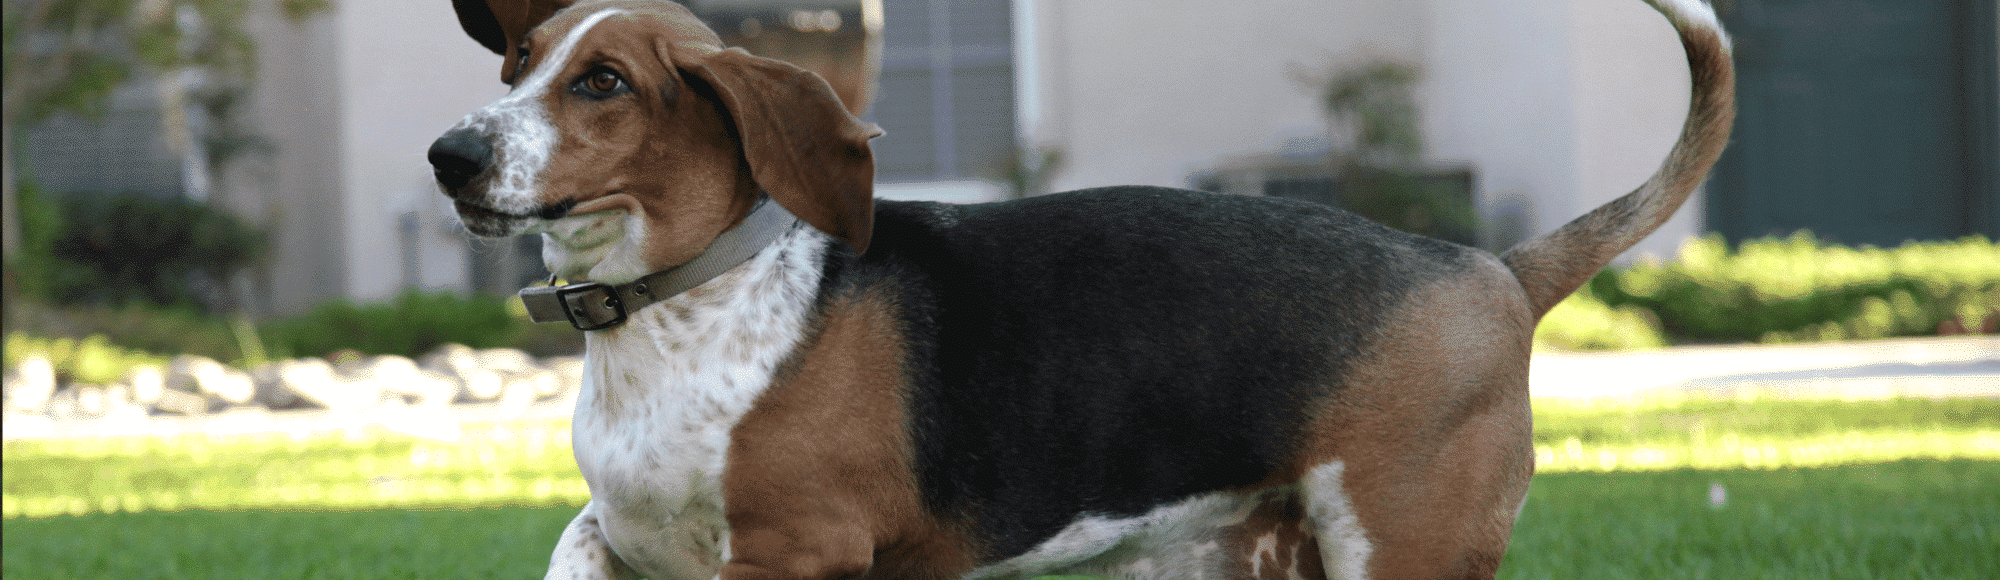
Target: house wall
x: 408, y: 74
x: 295, y: 192
x: 1151, y: 91
x: 352, y: 100
x: 1559, y: 106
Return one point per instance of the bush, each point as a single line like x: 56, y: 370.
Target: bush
x: 414, y: 324
x: 33, y: 265
x: 121, y: 249
x: 1794, y: 289
x: 137, y: 326
x: 1584, y: 322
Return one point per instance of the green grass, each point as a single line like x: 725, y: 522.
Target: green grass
x: 1816, y: 489
x: 275, y: 545
x: 1910, y: 519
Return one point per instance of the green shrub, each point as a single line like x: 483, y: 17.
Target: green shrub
x: 133, y: 326
x: 120, y: 249
x: 413, y: 324
x: 1583, y: 322
x: 33, y: 266
x: 1799, y: 289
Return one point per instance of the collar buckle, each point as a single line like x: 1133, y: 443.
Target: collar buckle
x: 587, y: 305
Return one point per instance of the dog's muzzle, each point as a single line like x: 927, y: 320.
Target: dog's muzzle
x: 463, y: 162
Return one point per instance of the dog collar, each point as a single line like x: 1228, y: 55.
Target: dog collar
x: 597, y: 306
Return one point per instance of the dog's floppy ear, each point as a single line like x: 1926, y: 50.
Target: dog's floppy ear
x: 499, y: 25
x: 807, y: 152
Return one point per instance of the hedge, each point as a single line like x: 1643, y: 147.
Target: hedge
x: 1777, y: 290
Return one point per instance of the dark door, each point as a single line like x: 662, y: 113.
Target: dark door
x: 1865, y: 121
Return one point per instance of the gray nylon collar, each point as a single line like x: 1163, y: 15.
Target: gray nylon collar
x: 597, y: 306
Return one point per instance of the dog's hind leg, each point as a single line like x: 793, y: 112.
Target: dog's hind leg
x: 1417, y: 467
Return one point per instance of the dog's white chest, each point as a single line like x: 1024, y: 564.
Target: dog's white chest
x: 661, y: 394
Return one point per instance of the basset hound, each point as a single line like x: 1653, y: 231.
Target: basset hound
x: 787, y: 378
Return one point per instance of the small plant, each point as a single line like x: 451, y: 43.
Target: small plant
x: 1373, y: 111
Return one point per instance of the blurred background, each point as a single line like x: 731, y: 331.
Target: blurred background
x: 244, y: 180
x: 231, y: 284
x: 304, y: 121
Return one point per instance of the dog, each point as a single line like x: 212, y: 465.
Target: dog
x: 787, y: 378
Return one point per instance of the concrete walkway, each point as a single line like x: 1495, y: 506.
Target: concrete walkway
x: 1921, y: 367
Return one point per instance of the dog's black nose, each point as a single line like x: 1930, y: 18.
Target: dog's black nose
x: 458, y: 156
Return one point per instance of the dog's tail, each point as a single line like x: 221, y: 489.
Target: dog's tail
x: 1552, y: 266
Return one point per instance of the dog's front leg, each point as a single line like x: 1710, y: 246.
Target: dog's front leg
x: 827, y: 551
x: 583, y: 554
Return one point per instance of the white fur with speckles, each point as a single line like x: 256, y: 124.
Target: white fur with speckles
x: 661, y: 393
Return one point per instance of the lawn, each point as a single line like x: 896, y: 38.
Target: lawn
x: 1808, y: 489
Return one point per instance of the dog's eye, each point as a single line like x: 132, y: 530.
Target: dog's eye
x: 601, y: 83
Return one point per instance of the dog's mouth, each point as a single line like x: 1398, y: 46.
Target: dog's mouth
x: 488, y: 222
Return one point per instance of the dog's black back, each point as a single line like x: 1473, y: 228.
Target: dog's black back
x: 1109, y: 351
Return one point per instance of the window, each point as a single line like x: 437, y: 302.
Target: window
x: 946, y: 98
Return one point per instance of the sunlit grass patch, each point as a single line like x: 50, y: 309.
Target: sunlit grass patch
x: 528, y: 463
x: 1693, y: 432
x: 338, y: 505
x: 514, y: 463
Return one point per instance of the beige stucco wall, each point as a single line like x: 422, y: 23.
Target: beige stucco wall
x: 1151, y: 91
x: 352, y: 99
x: 1559, y: 105
x: 296, y: 191
x: 408, y: 73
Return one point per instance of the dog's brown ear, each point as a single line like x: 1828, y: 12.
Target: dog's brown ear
x: 499, y: 25
x: 807, y: 152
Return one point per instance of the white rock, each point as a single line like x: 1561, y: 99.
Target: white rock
x: 30, y: 384
x: 200, y: 374
x: 271, y: 391
x: 400, y: 376
x: 146, y: 384
x: 93, y: 400
x: 313, y: 381
x: 478, y: 379
x: 180, y: 402
x: 504, y: 359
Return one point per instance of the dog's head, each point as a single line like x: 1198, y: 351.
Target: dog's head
x: 631, y: 139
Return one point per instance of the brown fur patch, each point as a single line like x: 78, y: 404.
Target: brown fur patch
x: 820, y: 481
x: 1433, y: 426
